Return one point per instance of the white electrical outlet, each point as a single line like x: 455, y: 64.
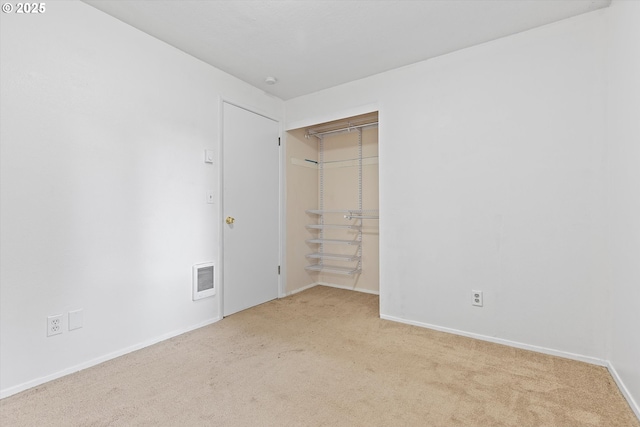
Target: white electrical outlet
x: 54, y: 325
x: 477, y: 298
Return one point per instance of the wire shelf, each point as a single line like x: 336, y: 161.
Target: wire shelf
x: 333, y: 269
x: 342, y: 211
x: 334, y: 242
x: 338, y: 257
x: 354, y: 220
x: 333, y: 226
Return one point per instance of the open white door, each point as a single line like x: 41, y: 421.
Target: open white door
x: 250, y: 206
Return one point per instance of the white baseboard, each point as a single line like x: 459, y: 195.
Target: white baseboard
x: 295, y: 291
x: 567, y: 355
x: 38, y: 381
x: 624, y: 390
x: 349, y: 288
x: 331, y: 285
x: 545, y: 350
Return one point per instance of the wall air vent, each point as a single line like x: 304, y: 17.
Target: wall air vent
x: 203, y: 279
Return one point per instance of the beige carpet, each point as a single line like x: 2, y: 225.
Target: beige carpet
x: 324, y: 358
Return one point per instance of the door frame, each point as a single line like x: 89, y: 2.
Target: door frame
x: 281, y: 219
x: 308, y: 121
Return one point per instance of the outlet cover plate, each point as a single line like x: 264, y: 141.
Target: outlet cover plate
x: 54, y: 325
x: 477, y: 299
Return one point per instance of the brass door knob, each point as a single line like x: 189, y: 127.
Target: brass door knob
x: 230, y: 220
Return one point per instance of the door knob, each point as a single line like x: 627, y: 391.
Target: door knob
x: 230, y: 220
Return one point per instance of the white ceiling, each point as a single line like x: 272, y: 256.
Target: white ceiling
x: 309, y: 45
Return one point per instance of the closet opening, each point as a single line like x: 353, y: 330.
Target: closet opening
x: 332, y: 205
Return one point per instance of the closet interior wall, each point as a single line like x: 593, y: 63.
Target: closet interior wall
x: 301, y: 194
x: 340, y: 191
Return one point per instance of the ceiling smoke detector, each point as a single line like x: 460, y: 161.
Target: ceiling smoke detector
x: 271, y: 80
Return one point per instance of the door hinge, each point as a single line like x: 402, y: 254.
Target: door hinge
x: 278, y: 269
x: 278, y: 141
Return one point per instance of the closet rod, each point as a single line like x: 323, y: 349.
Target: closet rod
x: 346, y: 160
x: 319, y: 134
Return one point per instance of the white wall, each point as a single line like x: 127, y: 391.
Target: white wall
x: 513, y: 167
x: 492, y: 178
x: 623, y: 160
x: 103, y: 187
